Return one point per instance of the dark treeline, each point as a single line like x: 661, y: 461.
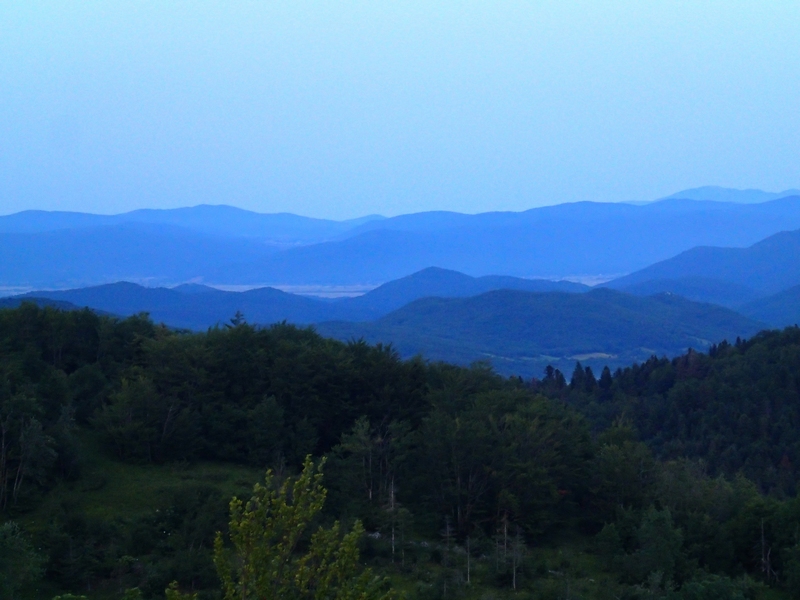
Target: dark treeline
x: 671, y: 479
x: 737, y: 408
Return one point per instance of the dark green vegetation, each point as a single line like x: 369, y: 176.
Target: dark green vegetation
x: 521, y: 332
x: 699, y: 289
x: 16, y: 301
x: 270, y: 555
x: 123, y: 441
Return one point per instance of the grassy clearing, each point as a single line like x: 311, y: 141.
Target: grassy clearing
x: 108, y: 489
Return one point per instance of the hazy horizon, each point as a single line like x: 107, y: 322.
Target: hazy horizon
x: 702, y: 196
x: 349, y: 109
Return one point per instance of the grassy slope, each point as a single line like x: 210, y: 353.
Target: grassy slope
x: 108, y: 489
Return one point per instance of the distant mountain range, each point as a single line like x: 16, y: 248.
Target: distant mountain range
x: 146, y: 253
x: 220, y: 221
x: 779, y: 310
x: 761, y: 281
x: 715, y: 193
x: 519, y: 325
x: 221, y: 245
x: 681, y: 292
x: 551, y: 242
x: 193, y: 306
x: 728, y: 276
x: 700, y: 289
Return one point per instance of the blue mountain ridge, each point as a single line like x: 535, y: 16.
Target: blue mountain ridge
x: 194, y: 306
x: 520, y: 331
x: 551, y: 242
x: 764, y: 268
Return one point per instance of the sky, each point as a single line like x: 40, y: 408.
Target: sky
x: 340, y: 109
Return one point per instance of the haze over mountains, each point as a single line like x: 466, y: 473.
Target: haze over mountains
x: 198, y: 307
x: 693, y: 298
x: 720, y: 194
x: 225, y: 246
x: 760, y: 280
x: 518, y: 330
x: 279, y: 228
x: 518, y: 325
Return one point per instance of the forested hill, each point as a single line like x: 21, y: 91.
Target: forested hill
x: 737, y: 408
x: 125, y: 440
x: 522, y: 332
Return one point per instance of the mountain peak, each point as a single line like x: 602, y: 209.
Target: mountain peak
x: 717, y: 193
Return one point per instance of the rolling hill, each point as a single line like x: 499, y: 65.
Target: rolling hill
x: 522, y: 332
x: 444, y: 283
x: 779, y: 310
x: 519, y: 331
x: 767, y: 267
x: 195, y: 306
x: 699, y: 289
x: 192, y: 308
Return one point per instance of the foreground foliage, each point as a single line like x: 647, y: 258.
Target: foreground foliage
x: 123, y: 442
x: 266, y: 532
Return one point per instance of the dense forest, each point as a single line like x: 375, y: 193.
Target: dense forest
x: 122, y: 443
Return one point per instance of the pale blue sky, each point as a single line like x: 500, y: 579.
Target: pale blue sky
x: 339, y: 109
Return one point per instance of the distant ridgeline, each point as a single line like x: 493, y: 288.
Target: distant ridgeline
x: 225, y: 245
x: 519, y: 325
x: 124, y: 441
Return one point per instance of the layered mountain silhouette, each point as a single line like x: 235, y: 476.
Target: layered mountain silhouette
x: 779, y: 310
x: 445, y: 283
x: 550, y: 242
x: 130, y: 251
x: 700, y: 289
x: 194, y: 306
x: 715, y: 193
x: 520, y: 331
x: 688, y: 273
x: 729, y: 276
x: 59, y: 304
x: 221, y: 221
x: 197, y: 309
x: 222, y: 245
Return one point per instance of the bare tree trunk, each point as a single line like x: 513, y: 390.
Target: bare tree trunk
x: 23, y: 459
x: 3, y: 465
x: 468, y: 560
x: 393, y: 512
x: 505, y: 537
